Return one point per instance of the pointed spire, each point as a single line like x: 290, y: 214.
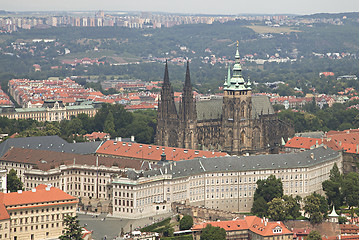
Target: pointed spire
x: 237, y: 52
x: 166, y: 79
x: 187, y: 82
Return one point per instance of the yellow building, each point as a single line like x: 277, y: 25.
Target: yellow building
x: 55, y: 113
x: 35, y: 214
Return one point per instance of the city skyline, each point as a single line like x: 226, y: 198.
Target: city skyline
x: 190, y: 7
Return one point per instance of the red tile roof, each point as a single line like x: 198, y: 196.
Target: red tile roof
x: 95, y: 135
x: 303, y: 142
x: 342, y: 237
x: 45, y: 160
x: 3, y: 212
x: 152, y: 152
x: 255, y: 224
x: 349, y: 229
x: 40, y: 195
x: 309, y: 143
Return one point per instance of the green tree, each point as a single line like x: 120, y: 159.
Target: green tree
x: 168, y: 231
x: 72, y: 229
x: 314, y: 235
x: 186, y: 222
x: 350, y: 188
x: 13, y: 182
x: 109, y: 125
x: 266, y: 190
x: 287, y: 207
x: 316, y: 206
x: 342, y: 220
x: 277, y: 210
x: 292, y: 206
x: 213, y: 233
x: 260, y: 207
x: 332, y: 187
x: 269, y: 188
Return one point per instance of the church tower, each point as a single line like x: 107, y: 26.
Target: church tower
x: 188, y: 115
x: 167, y: 117
x: 236, y: 112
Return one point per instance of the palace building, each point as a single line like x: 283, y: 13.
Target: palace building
x: 238, y: 123
x: 226, y: 183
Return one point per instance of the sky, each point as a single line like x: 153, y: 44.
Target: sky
x: 188, y: 6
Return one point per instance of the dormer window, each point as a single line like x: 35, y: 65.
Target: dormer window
x: 277, y: 230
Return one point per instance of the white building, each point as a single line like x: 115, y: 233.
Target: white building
x: 225, y: 183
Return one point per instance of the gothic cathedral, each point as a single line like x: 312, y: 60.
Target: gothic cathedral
x: 239, y: 123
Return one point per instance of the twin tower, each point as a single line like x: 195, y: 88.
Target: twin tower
x: 239, y: 123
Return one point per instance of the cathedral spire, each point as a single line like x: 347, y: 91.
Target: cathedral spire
x: 237, y: 52
x: 228, y: 79
x: 166, y: 79
x: 187, y: 82
x: 236, y: 82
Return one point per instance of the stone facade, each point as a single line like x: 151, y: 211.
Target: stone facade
x: 237, y: 124
x: 54, y: 113
x: 224, y: 183
x: 35, y: 214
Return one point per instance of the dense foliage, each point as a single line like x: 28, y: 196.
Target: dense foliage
x: 213, y: 233
x: 314, y: 235
x: 113, y: 119
x: 316, y: 206
x: 342, y: 189
x: 13, y: 182
x: 266, y: 191
x: 337, y: 117
x: 72, y: 229
x: 186, y: 222
x: 333, y: 187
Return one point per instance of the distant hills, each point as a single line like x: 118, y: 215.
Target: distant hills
x: 332, y: 15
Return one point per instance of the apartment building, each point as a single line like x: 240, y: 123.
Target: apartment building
x: 251, y: 227
x: 35, y: 214
x: 225, y: 183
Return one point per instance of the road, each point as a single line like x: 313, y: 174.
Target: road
x: 111, y: 227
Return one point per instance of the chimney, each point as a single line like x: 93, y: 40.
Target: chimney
x: 163, y: 157
x: 19, y: 191
x: 357, y: 151
x: 312, y: 155
x: 340, y: 143
x: 33, y: 190
x: 132, y: 138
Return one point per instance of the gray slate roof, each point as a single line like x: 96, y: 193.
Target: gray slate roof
x: 245, y: 163
x: 261, y: 106
x: 212, y: 109
x: 50, y: 143
x: 318, y: 134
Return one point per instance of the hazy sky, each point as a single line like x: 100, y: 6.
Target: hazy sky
x: 187, y: 6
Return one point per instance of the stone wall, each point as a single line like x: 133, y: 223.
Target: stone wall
x: 350, y: 162
x: 201, y: 213
x: 328, y: 229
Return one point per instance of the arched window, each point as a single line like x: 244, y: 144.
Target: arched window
x: 243, y: 134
